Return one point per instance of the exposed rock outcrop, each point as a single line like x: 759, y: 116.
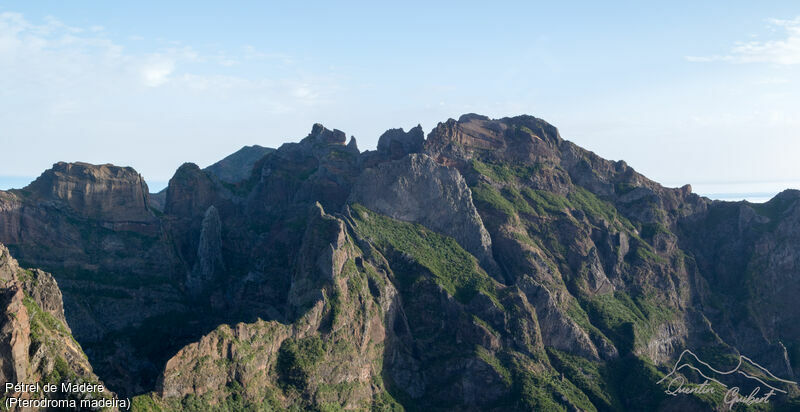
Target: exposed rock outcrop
x: 104, y: 192
x: 209, y: 264
x: 91, y: 225
x: 417, y: 189
x: 36, y: 345
x: 190, y: 192
x: 396, y: 143
x: 558, y: 330
x: 274, y: 365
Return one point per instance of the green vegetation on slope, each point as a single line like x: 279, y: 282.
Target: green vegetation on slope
x: 453, y: 268
x: 626, y: 383
x: 297, y: 360
x: 490, y: 359
x: 42, y: 323
x: 487, y: 197
x: 50, y: 338
x: 544, y: 390
x: 590, y: 377
x: 628, y: 322
x: 544, y: 202
x: 589, y: 203
x: 503, y: 172
x: 509, y: 200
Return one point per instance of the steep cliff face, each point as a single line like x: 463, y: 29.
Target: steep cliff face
x: 91, y: 226
x: 330, y: 356
x: 748, y: 253
x: 36, y: 345
x: 115, y: 196
x: 105, y: 192
x: 490, y: 266
x: 209, y: 264
x: 417, y: 189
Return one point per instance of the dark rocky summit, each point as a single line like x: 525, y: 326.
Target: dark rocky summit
x: 491, y: 265
x: 396, y: 143
x: 239, y: 165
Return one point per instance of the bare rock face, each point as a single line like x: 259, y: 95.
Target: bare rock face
x: 417, y: 189
x: 558, y: 330
x: 39, y: 286
x: 91, y: 226
x: 519, y: 139
x: 751, y: 250
x: 270, y: 365
x: 190, y: 192
x: 14, y: 336
x: 104, y: 192
x: 322, y: 256
x: 35, y: 342
x: 209, y: 264
x: 396, y: 143
x: 11, y: 216
x: 8, y: 266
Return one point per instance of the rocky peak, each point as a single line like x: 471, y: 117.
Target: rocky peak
x: 396, y: 143
x: 189, y: 192
x: 8, y: 266
x: 473, y: 116
x: 238, y: 166
x: 40, y: 286
x: 515, y: 139
x: 103, y: 192
x: 787, y: 195
x: 353, y: 145
x: 320, y: 134
x: 321, y: 143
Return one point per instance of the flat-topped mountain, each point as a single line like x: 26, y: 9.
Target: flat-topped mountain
x: 490, y: 265
x: 105, y: 192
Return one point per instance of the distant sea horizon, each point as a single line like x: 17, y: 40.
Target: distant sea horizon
x: 754, y: 192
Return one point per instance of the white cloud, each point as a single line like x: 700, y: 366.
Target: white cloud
x: 67, y: 92
x: 57, y: 56
x: 782, y: 51
x: 303, y: 91
x: 156, y: 72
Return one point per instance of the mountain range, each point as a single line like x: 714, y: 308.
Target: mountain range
x: 490, y: 265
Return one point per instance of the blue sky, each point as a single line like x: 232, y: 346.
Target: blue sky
x: 686, y: 93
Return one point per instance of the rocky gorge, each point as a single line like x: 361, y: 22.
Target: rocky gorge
x: 490, y: 265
